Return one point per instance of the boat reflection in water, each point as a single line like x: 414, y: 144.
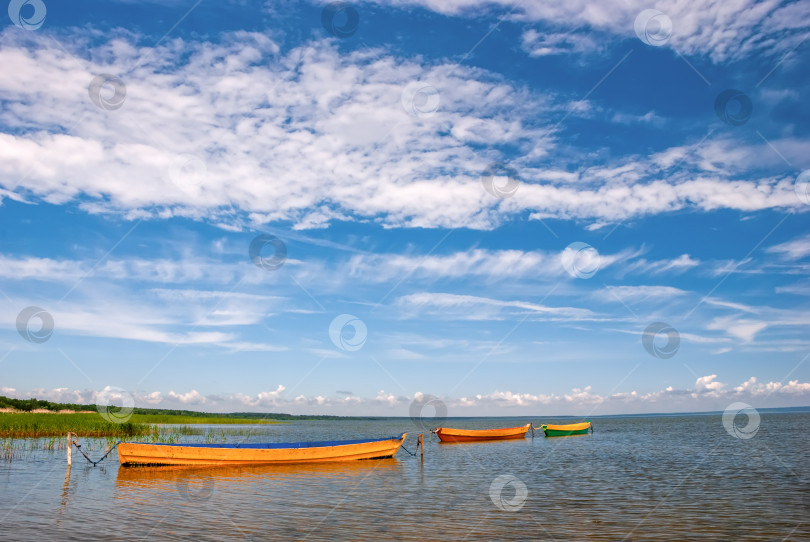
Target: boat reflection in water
x: 258, y: 501
x: 200, y: 481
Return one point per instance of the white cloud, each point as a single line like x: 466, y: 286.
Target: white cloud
x: 479, y: 263
x: 483, y: 308
x: 183, y: 270
x: 554, y: 43
x: 254, y: 122
x: 637, y: 294
x: 313, y: 135
x: 186, y: 317
x: 192, y: 397
x: 731, y: 305
x: 263, y: 399
x: 796, y: 249
x: 707, y: 394
x: 793, y: 387
x: 403, y: 353
x: 741, y: 328
x: 682, y: 263
x: 708, y: 384
x: 797, y: 289
x: 720, y: 30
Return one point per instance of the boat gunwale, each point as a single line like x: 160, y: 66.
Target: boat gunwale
x: 273, y: 445
x: 470, y: 432
x: 567, y: 427
x: 132, y: 453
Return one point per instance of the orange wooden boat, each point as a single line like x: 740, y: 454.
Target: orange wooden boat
x: 447, y: 434
x: 139, y: 453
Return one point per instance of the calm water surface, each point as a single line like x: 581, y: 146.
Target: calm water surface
x: 634, y: 478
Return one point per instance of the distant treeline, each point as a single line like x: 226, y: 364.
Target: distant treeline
x: 27, y: 405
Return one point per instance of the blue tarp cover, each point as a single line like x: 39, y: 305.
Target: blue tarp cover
x: 277, y: 444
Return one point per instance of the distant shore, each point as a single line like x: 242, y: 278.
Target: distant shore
x: 93, y: 424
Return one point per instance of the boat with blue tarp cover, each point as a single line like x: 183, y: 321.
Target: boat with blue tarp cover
x: 142, y: 453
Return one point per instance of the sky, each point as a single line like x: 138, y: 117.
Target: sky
x: 399, y: 207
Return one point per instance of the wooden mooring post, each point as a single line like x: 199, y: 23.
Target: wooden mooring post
x: 69, y: 450
x: 420, y: 443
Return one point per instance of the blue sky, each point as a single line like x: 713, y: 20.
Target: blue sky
x: 484, y: 202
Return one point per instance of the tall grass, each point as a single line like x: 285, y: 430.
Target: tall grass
x: 195, y: 420
x: 35, y: 425
x: 27, y: 425
x: 23, y: 434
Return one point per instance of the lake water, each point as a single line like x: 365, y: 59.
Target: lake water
x: 634, y: 478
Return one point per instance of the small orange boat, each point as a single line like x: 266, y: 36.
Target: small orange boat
x: 141, y: 453
x: 447, y: 434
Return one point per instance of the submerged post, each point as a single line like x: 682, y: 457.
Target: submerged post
x: 69, y: 450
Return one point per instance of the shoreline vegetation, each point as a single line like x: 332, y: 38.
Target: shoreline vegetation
x: 34, y: 418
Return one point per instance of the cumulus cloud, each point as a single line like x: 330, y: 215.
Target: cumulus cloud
x: 708, y: 393
x: 708, y: 384
x: 192, y: 397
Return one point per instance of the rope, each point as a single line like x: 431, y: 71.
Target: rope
x: 407, y: 450
x: 78, y: 446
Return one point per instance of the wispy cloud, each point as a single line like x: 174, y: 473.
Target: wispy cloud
x: 702, y: 27
x: 469, y: 307
x: 797, y: 249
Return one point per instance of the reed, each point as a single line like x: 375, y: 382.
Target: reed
x: 30, y: 425
x: 195, y: 420
x: 91, y: 424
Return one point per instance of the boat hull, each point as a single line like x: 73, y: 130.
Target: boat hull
x: 136, y: 453
x: 566, y: 430
x: 447, y: 434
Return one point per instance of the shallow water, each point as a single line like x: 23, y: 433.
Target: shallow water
x: 634, y: 478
